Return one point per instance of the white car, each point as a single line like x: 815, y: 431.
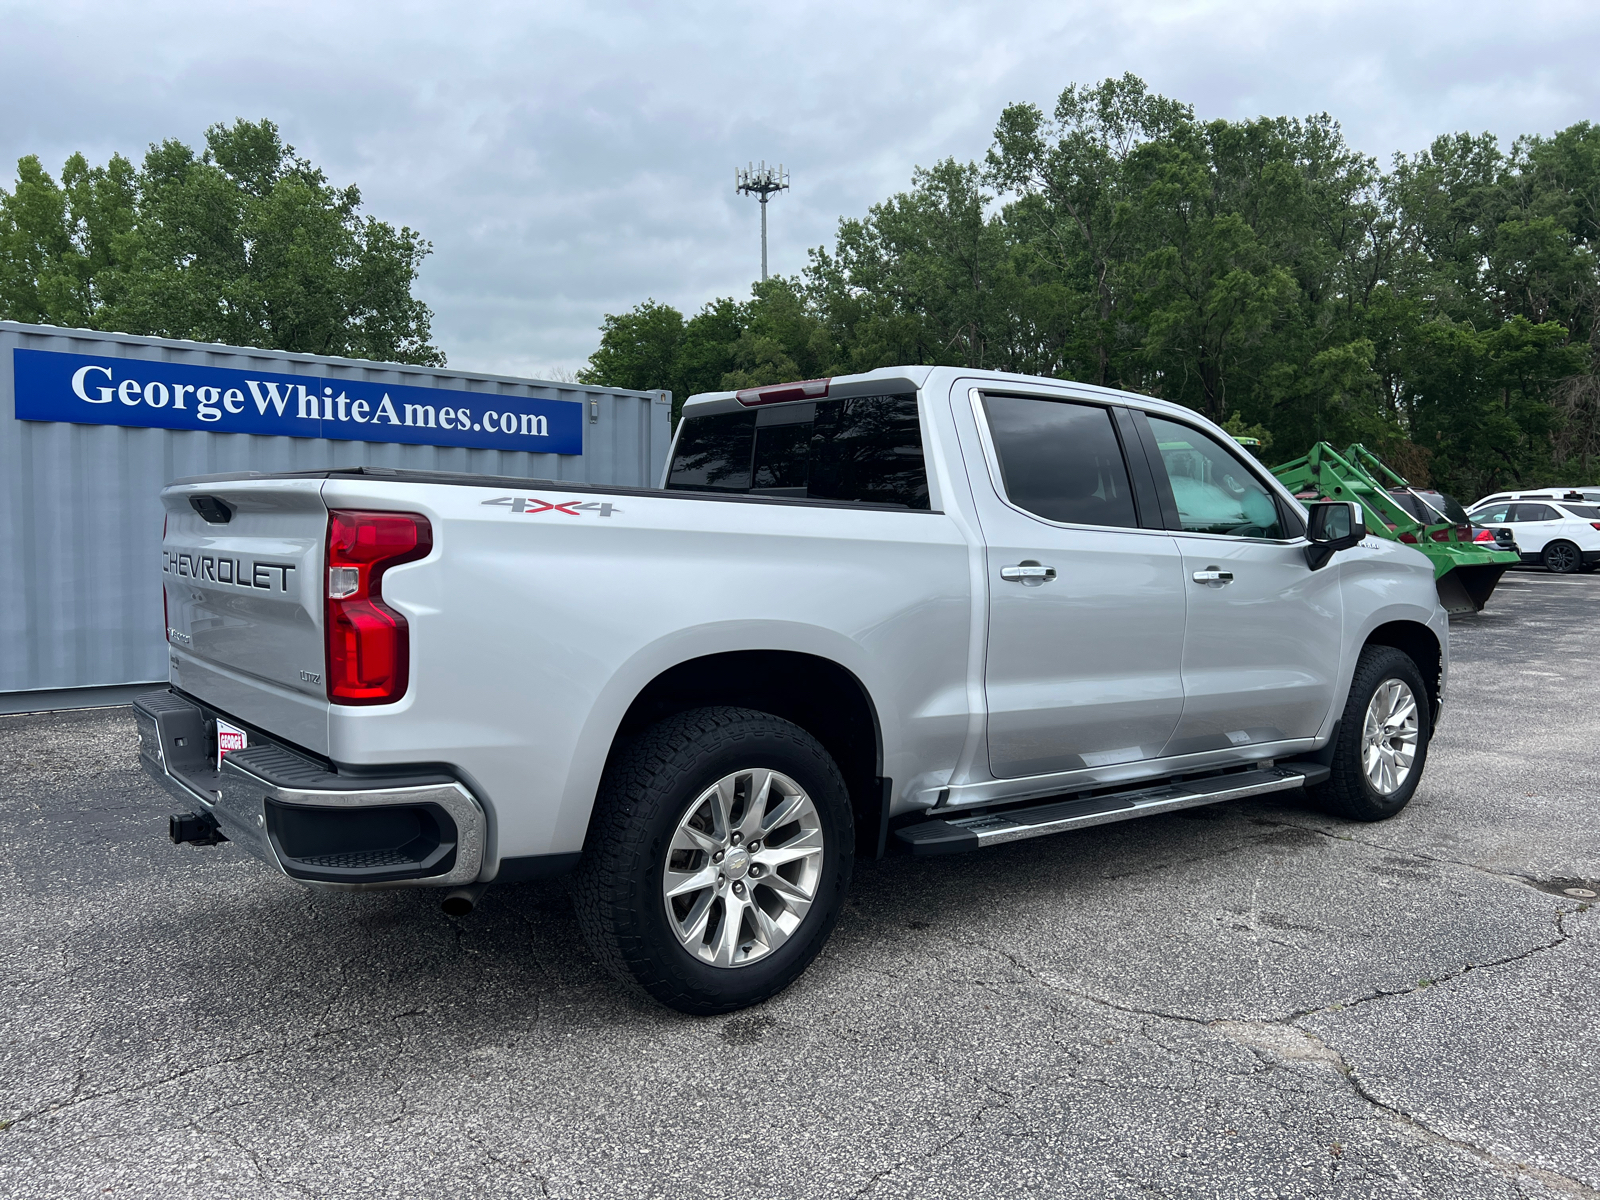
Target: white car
x: 1578, y: 495
x: 1564, y: 536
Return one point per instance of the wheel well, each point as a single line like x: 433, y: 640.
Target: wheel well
x: 817, y: 694
x: 1417, y: 643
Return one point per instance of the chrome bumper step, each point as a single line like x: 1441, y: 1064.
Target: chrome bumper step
x: 957, y: 834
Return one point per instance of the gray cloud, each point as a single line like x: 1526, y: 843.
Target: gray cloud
x: 569, y: 160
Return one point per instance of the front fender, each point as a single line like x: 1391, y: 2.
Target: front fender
x: 1384, y: 583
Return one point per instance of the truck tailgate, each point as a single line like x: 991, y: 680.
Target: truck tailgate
x: 242, y: 570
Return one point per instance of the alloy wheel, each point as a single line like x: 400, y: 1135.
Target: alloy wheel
x: 1560, y: 558
x: 1389, y: 737
x: 743, y: 867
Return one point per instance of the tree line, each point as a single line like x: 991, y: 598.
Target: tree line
x: 245, y: 242
x: 1262, y: 272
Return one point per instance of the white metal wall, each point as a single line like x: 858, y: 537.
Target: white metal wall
x: 80, y: 530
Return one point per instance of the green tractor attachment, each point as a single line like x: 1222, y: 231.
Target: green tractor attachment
x: 1464, y: 571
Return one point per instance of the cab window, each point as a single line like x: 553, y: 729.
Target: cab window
x: 1533, y: 512
x: 1214, y: 491
x: 857, y: 450
x: 1060, y: 460
x: 1491, y: 514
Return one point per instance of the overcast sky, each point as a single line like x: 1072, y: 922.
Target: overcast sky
x: 569, y: 160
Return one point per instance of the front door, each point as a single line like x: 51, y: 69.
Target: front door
x: 1086, y: 603
x: 1264, y: 632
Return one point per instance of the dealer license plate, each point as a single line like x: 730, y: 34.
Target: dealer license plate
x: 229, y: 739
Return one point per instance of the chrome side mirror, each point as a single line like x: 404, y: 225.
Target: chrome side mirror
x: 1334, y: 525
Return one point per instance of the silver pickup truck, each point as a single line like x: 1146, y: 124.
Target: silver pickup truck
x: 921, y: 610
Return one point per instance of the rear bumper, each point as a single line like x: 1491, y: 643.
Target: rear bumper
x: 321, y: 827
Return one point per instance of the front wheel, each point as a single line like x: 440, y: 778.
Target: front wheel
x: 717, y: 860
x: 1562, y: 557
x: 1382, y: 744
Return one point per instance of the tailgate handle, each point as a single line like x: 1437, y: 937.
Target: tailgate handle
x: 215, y: 512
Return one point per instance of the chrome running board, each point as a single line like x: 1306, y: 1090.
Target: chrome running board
x: 954, y: 835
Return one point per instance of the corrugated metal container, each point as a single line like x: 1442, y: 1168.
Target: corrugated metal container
x: 80, y: 537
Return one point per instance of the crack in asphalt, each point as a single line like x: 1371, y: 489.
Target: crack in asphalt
x: 74, y: 1098
x: 975, y: 1119
x: 1524, y: 879
x: 1328, y: 1056
x: 516, y: 1168
x: 1562, y: 937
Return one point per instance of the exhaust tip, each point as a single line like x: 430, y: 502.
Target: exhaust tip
x: 462, y: 900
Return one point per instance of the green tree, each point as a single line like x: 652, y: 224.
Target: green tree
x: 246, y: 243
x: 1445, y: 312
x: 638, y: 349
x: 1078, y: 179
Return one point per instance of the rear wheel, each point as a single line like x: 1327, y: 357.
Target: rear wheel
x: 717, y: 860
x: 1562, y: 557
x: 1382, y: 744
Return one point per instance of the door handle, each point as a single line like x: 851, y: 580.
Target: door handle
x: 1213, y: 577
x: 1028, y: 573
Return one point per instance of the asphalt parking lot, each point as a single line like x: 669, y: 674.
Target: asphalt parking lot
x: 1248, y: 1000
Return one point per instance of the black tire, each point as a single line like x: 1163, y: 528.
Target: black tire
x: 1348, y: 792
x: 1563, y: 558
x: 649, y: 786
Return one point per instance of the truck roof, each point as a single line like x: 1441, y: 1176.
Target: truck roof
x: 905, y: 378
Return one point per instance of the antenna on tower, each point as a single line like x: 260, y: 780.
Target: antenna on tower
x: 761, y: 181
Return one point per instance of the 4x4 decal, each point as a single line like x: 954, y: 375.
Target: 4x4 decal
x: 571, y: 508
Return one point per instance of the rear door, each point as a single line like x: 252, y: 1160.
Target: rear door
x: 1533, y: 525
x: 1086, y: 601
x: 241, y: 568
x: 1264, y: 632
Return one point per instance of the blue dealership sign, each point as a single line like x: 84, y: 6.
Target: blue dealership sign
x: 90, y: 390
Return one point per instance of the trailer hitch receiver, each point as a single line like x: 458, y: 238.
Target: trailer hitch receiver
x: 196, y: 828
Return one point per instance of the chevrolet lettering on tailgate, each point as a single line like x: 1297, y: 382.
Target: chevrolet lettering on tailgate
x: 233, y: 572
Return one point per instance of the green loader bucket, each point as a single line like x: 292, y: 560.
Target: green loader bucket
x: 1466, y: 589
x: 1464, y: 571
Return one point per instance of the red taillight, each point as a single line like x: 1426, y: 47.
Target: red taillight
x: 777, y: 393
x: 1409, y: 539
x: 369, y: 644
x: 1595, y: 524
x: 1483, y: 535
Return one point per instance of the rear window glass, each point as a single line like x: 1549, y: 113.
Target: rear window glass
x: 864, y: 450
x: 1413, y: 506
x: 713, y: 453
x: 1061, y: 460
x: 1430, y: 507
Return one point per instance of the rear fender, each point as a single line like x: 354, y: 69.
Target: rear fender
x: 599, y: 731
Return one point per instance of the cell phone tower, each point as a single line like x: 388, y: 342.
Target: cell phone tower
x: 761, y: 181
